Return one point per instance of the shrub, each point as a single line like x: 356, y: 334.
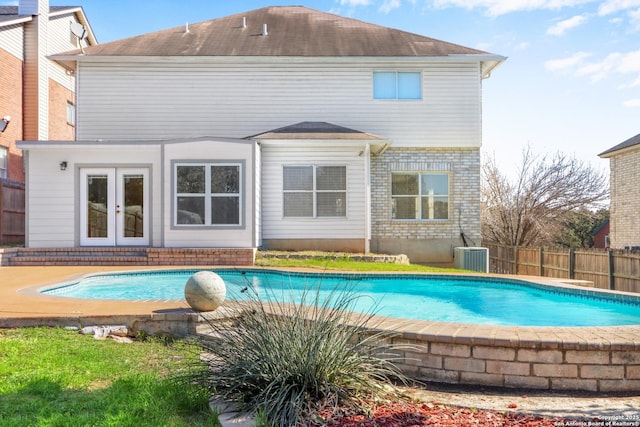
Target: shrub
x: 291, y: 361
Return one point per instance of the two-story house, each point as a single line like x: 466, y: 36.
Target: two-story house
x: 624, y: 182
x: 282, y: 127
x: 37, y: 100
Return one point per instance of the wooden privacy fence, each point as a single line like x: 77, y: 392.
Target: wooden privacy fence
x: 11, y: 212
x: 607, y: 269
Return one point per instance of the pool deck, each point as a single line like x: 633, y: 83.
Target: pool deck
x: 19, y: 298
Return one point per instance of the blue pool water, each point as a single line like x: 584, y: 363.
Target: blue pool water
x: 467, y: 299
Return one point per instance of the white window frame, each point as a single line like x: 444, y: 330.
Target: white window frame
x: 71, y: 113
x: 208, y: 195
x: 418, y: 198
x: 314, y: 192
x: 397, y: 80
x: 4, y: 162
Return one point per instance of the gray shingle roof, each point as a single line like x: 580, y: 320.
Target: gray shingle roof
x: 626, y: 144
x: 10, y: 13
x: 316, y: 130
x: 13, y: 10
x: 292, y: 31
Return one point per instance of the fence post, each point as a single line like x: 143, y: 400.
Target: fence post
x: 515, y: 260
x: 540, y: 261
x: 612, y: 279
x: 572, y: 263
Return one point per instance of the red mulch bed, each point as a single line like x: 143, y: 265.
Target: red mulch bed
x: 437, y: 414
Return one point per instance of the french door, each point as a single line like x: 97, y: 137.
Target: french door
x: 113, y: 207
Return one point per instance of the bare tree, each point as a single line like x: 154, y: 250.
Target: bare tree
x: 530, y: 210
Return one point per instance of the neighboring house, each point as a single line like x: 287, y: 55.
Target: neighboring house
x: 282, y: 128
x: 601, y: 235
x: 36, y: 94
x: 624, y: 183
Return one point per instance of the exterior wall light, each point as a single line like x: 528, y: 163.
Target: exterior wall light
x: 4, y: 123
x: 63, y: 165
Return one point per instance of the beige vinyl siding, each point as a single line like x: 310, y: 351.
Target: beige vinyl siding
x: 60, y: 41
x: 276, y: 226
x: 53, y: 204
x: 182, y: 97
x: 210, y: 150
x: 12, y: 40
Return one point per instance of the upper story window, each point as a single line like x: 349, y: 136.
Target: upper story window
x: 71, y: 113
x: 208, y: 194
x: 315, y: 191
x: 397, y: 85
x: 420, y: 196
x: 3, y: 162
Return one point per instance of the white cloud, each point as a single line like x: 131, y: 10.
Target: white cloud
x: 563, y: 26
x: 355, y: 2
x: 612, y: 6
x: 597, y: 71
x: 629, y: 63
x: 389, y: 5
x: 632, y: 103
x: 502, y: 7
x: 635, y: 83
x: 616, y: 63
x: 568, y: 62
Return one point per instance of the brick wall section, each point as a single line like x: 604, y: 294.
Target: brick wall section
x: 130, y: 256
x: 59, y: 129
x: 625, y: 203
x: 212, y: 257
x: 549, y: 366
x: 463, y: 166
x: 11, y: 104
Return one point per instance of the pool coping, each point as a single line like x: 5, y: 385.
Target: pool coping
x: 566, y: 358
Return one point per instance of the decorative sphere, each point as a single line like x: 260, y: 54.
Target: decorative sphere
x: 205, y: 291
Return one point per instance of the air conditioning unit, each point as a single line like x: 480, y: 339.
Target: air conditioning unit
x: 470, y: 258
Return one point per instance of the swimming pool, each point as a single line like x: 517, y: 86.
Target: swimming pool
x: 443, y: 298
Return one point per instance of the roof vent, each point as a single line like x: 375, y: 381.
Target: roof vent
x: 264, y: 30
x: 244, y: 22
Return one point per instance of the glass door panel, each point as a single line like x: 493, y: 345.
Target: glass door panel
x: 130, y: 207
x: 97, y: 213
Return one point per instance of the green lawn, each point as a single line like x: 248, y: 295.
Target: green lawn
x: 57, y: 377
x: 327, y: 261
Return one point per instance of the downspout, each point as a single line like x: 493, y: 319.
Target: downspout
x: 367, y: 177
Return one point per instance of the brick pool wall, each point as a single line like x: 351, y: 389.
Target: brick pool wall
x: 582, y: 359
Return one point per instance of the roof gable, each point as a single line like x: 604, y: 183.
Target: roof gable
x: 633, y: 141
x: 291, y: 31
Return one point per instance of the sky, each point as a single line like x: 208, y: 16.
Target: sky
x: 570, y: 84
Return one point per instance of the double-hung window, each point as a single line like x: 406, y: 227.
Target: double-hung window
x: 397, y: 85
x: 419, y: 196
x: 315, y: 191
x: 208, y: 194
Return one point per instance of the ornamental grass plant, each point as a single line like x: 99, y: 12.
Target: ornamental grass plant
x: 291, y: 362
